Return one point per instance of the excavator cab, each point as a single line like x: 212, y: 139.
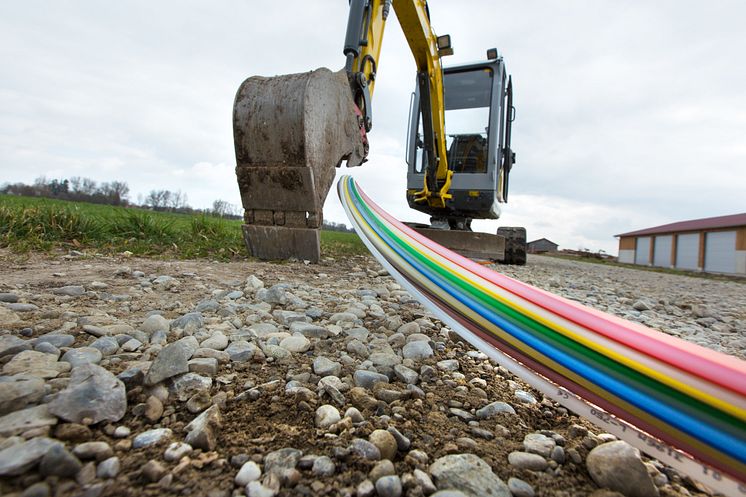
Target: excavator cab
x: 478, y: 102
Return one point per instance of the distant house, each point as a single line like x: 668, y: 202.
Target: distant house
x: 713, y: 244
x: 541, y: 246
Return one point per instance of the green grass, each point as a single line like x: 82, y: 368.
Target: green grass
x: 30, y: 223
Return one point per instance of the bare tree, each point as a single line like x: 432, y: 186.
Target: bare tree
x: 178, y: 200
x: 220, y: 207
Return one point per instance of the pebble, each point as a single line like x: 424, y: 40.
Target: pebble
x: 8, y: 297
x: 296, y: 344
x: 537, y: 443
x: 39, y: 489
x: 18, y: 458
x: 153, y: 471
x: 122, y: 432
x: 323, y: 466
x: 389, y: 486
x: 17, y: 393
x: 250, y: 471
x: 177, y: 450
x: 108, y: 468
x: 172, y: 360
x: 524, y: 397
x: 203, y: 430
x: 618, y: 466
x: 59, y: 462
x: 93, y: 450
x: 203, y: 365
x: 525, y: 460
x: 324, y: 366
x: 367, y: 379
x: 70, y: 290
x: 418, y: 350
x: 469, y: 474
x: 217, y: 341
x: 188, y: 384
x: 23, y: 420
x: 493, y: 409
x: 365, y: 449
x: 382, y: 468
x: 155, y: 323
x: 93, y: 394
x: 385, y: 442
x: 151, y: 437
x: 448, y: 365
x: 106, y: 345
x: 309, y: 330
x: 326, y: 416
x: 520, y: 488
x: 406, y: 375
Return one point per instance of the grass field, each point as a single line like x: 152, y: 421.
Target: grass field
x: 30, y: 223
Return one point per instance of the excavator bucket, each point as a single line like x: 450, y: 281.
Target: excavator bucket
x: 290, y: 133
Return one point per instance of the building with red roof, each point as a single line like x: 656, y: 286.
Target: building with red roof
x: 713, y: 244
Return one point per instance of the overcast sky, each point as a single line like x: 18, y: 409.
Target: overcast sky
x: 629, y: 114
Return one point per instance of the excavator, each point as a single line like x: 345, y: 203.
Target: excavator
x: 292, y: 131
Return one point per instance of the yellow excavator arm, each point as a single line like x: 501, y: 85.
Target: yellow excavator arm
x: 363, y: 41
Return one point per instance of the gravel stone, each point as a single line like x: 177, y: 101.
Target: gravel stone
x: 323, y: 366
x: 537, y: 443
x: 59, y: 462
x: 172, y: 360
x: 18, y: 458
x: 385, y: 442
x: 82, y: 355
x: 417, y: 350
x: 493, y: 409
x: 326, y: 416
x: 618, y: 466
x: 389, y: 486
x: 108, y: 469
x: 70, y: 291
x: 367, y: 379
x: 323, y: 466
x: 176, y: 451
x: 365, y: 449
x: 295, y: 344
x: 520, y: 488
x: 17, y: 393
x: 17, y: 422
x: 525, y: 460
x: 151, y: 437
x: 469, y: 474
x: 249, y: 472
x: 93, y: 394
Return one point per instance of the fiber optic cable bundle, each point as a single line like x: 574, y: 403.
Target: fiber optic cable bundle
x: 681, y: 403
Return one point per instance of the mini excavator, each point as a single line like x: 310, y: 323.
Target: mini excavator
x: 292, y: 131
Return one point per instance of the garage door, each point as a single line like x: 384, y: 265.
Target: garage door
x: 662, y: 251
x: 642, y: 251
x: 687, y: 251
x: 720, y: 252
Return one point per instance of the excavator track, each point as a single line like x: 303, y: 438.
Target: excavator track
x: 290, y: 133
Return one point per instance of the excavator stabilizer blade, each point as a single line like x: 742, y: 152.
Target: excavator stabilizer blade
x: 290, y: 133
x: 471, y: 244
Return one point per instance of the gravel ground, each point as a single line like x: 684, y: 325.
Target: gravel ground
x: 143, y: 377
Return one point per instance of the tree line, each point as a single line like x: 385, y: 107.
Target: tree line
x: 79, y: 189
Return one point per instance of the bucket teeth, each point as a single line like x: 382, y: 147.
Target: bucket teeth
x: 290, y: 132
